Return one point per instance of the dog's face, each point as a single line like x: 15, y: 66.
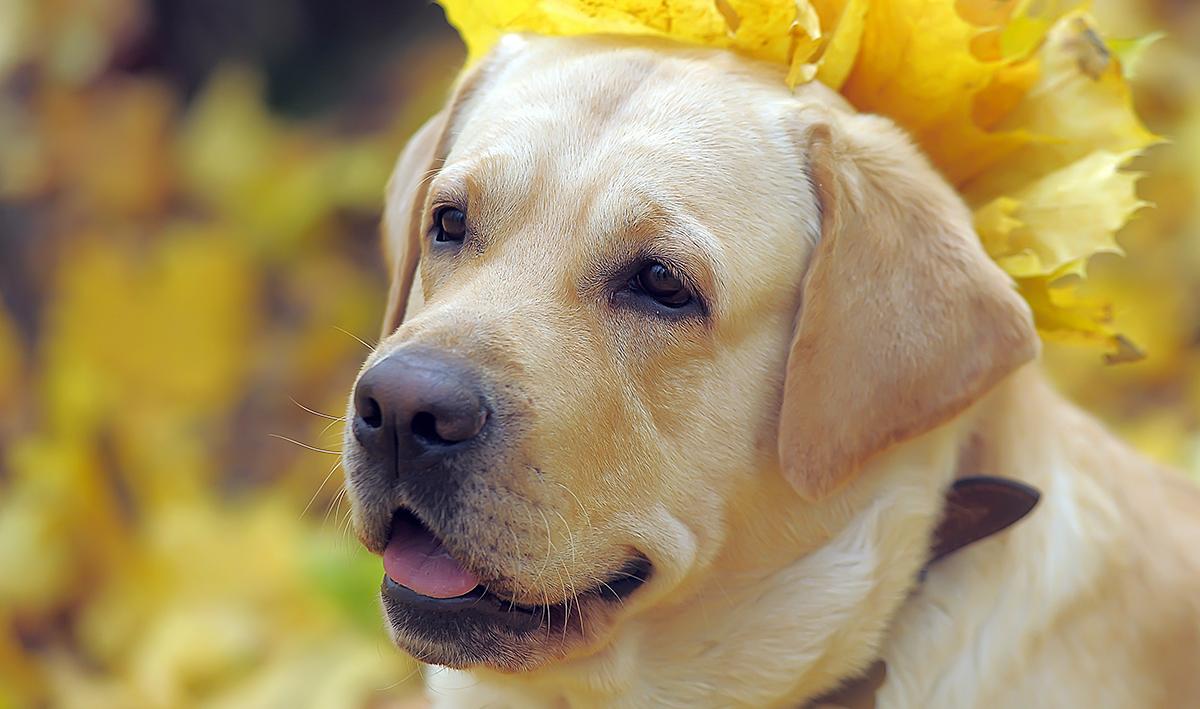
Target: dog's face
x: 613, y: 243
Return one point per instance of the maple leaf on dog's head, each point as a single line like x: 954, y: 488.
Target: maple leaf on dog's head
x: 1020, y: 104
x: 782, y: 32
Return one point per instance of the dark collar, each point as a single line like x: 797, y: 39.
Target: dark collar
x: 975, y: 509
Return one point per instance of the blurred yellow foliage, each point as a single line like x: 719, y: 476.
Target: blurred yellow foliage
x: 186, y: 268
x: 191, y: 273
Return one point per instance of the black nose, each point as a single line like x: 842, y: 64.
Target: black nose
x: 417, y: 404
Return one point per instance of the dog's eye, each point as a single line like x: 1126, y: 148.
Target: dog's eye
x: 657, y: 281
x: 449, y: 224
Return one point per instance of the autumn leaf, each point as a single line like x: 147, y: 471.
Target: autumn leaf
x: 841, y: 23
x: 188, y: 272
x: 1020, y: 104
x: 1080, y: 103
x: 1062, y: 218
x: 916, y: 67
x: 783, y: 32
x: 1060, y: 312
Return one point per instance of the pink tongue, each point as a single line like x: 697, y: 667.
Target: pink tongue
x: 415, y: 559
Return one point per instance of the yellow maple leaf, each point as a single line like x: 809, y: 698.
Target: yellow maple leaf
x: 1019, y: 103
x: 1080, y: 103
x: 842, y: 23
x: 1063, y: 314
x: 995, y: 223
x: 1030, y: 22
x: 1061, y: 218
x: 916, y: 67
x: 782, y: 32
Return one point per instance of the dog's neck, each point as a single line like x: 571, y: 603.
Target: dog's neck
x: 976, y: 507
x: 959, y: 639
x: 777, y: 635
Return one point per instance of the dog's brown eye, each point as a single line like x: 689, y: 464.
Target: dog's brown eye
x: 450, y: 225
x: 657, y: 281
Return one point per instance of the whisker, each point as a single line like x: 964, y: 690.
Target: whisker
x: 566, y: 599
x: 304, y: 445
x: 574, y: 597
x: 587, y: 517
x: 546, y: 605
x: 486, y: 590
x: 347, y: 520
x: 333, y: 420
x: 320, y: 487
x: 579, y: 610
x: 314, y: 412
x: 402, y: 680
x: 546, y: 561
x: 520, y: 561
x: 330, y: 425
x: 570, y: 536
x: 551, y: 550
x: 614, y: 593
x: 334, y: 503
x: 551, y: 553
x: 429, y: 175
x: 361, y: 341
x: 628, y: 575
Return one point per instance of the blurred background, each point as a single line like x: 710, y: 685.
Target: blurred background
x: 190, y: 276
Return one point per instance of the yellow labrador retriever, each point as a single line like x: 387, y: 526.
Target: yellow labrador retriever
x: 689, y: 365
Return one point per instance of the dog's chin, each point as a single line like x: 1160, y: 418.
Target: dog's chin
x: 482, y: 626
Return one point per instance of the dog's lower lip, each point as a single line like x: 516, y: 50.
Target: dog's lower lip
x: 477, y: 595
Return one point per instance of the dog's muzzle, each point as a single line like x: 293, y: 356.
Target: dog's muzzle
x: 434, y: 468
x: 415, y: 411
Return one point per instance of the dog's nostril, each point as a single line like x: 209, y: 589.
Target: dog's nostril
x: 370, y: 413
x: 411, y: 406
x: 424, y: 426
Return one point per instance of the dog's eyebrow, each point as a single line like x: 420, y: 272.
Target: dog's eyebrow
x: 649, y: 227
x: 473, y: 183
x: 449, y: 192
x: 670, y: 219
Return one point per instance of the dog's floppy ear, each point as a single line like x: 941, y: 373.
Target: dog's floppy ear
x: 904, y: 320
x: 409, y: 184
x: 402, y: 218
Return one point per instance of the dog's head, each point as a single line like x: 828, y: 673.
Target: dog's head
x: 645, y: 285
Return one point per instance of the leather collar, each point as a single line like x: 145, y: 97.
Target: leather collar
x: 975, y: 509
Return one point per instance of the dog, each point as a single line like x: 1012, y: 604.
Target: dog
x: 678, y: 369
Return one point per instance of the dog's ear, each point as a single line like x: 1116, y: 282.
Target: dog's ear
x: 402, y: 217
x: 904, y: 320
x: 409, y: 184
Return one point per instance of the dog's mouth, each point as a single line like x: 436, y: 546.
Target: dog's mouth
x: 416, y: 559
x: 422, y: 575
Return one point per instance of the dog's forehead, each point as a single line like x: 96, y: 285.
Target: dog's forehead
x: 629, y: 102
x: 616, y: 128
